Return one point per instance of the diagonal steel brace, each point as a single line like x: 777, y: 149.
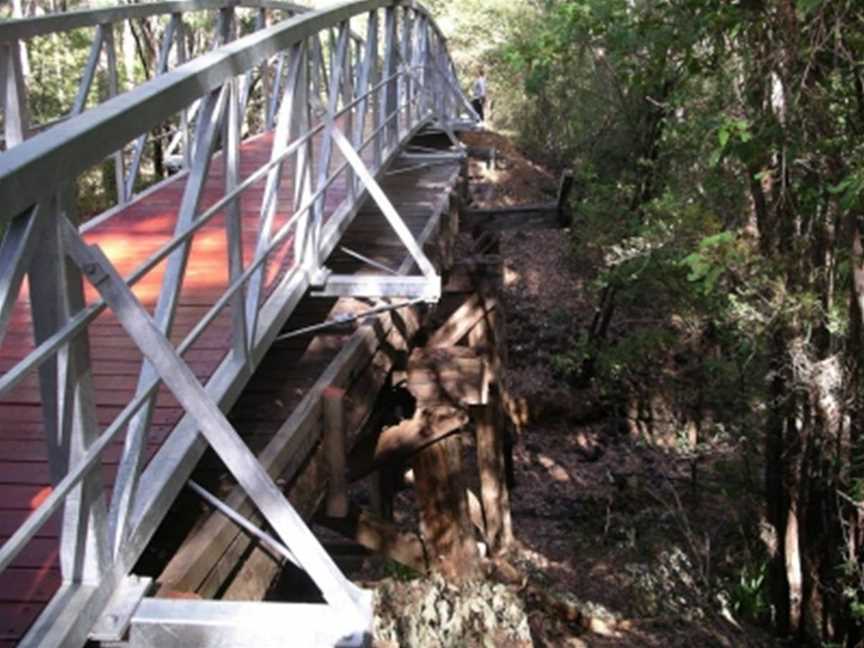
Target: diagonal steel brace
x: 384, y: 204
x: 341, y: 594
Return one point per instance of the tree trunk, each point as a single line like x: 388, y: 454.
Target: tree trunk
x: 775, y: 493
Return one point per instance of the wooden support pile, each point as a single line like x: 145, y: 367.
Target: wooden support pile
x: 456, y: 381
x: 475, y: 328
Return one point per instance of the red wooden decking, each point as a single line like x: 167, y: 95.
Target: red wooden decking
x: 128, y: 238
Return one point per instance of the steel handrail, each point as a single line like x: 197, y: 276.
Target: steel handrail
x: 81, y: 142
x: 17, y: 29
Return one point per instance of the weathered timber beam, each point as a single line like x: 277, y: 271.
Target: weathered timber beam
x: 491, y: 463
x: 334, y: 442
x: 461, y: 322
x: 447, y: 375
x: 399, y: 442
x: 378, y: 535
x: 546, y: 216
x: 541, y: 216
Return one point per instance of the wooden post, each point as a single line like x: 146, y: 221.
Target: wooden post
x: 444, y: 519
x: 494, y: 493
x: 380, y: 485
x: 564, y: 188
x: 492, y: 448
x: 334, y: 442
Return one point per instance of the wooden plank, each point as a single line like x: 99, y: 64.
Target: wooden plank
x: 498, y: 219
x: 457, y: 326
x: 334, y: 448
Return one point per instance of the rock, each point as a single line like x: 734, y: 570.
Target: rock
x: 433, y: 612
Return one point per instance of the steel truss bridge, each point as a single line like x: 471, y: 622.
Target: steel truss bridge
x: 126, y: 338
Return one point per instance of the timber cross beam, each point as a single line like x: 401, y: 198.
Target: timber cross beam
x: 524, y: 217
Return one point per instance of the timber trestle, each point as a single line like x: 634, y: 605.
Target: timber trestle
x: 127, y: 339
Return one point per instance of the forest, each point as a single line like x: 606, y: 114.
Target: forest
x: 716, y: 147
x: 719, y: 233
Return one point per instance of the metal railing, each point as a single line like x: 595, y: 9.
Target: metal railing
x: 344, y: 108
x: 101, y: 26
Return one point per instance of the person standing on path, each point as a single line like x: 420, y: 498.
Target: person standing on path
x: 478, y: 95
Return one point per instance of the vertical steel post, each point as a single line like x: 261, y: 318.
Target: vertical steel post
x: 16, y: 118
x: 68, y: 402
x: 113, y: 89
x: 89, y: 72
x: 138, y: 149
x: 365, y: 78
x: 405, y: 54
x: 266, y: 82
x: 270, y: 201
x: 303, y: 162
x: 234, y: 222
x: 422, y: 68
x: 19, y: 244
x: 184, y: 116
x: 326, y: 148
x: 391, y: 89
x: 276, y: 91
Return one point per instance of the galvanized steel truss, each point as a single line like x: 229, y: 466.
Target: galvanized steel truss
x: 360, y: 78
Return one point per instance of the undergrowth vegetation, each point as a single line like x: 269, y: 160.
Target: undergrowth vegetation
x: 717, y: 154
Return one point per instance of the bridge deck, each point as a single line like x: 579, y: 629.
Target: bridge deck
x: 128, y: 238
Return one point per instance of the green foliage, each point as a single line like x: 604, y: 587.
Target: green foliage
x: 399, y: 572
x: 707, y: 264
x: 748, y: 596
